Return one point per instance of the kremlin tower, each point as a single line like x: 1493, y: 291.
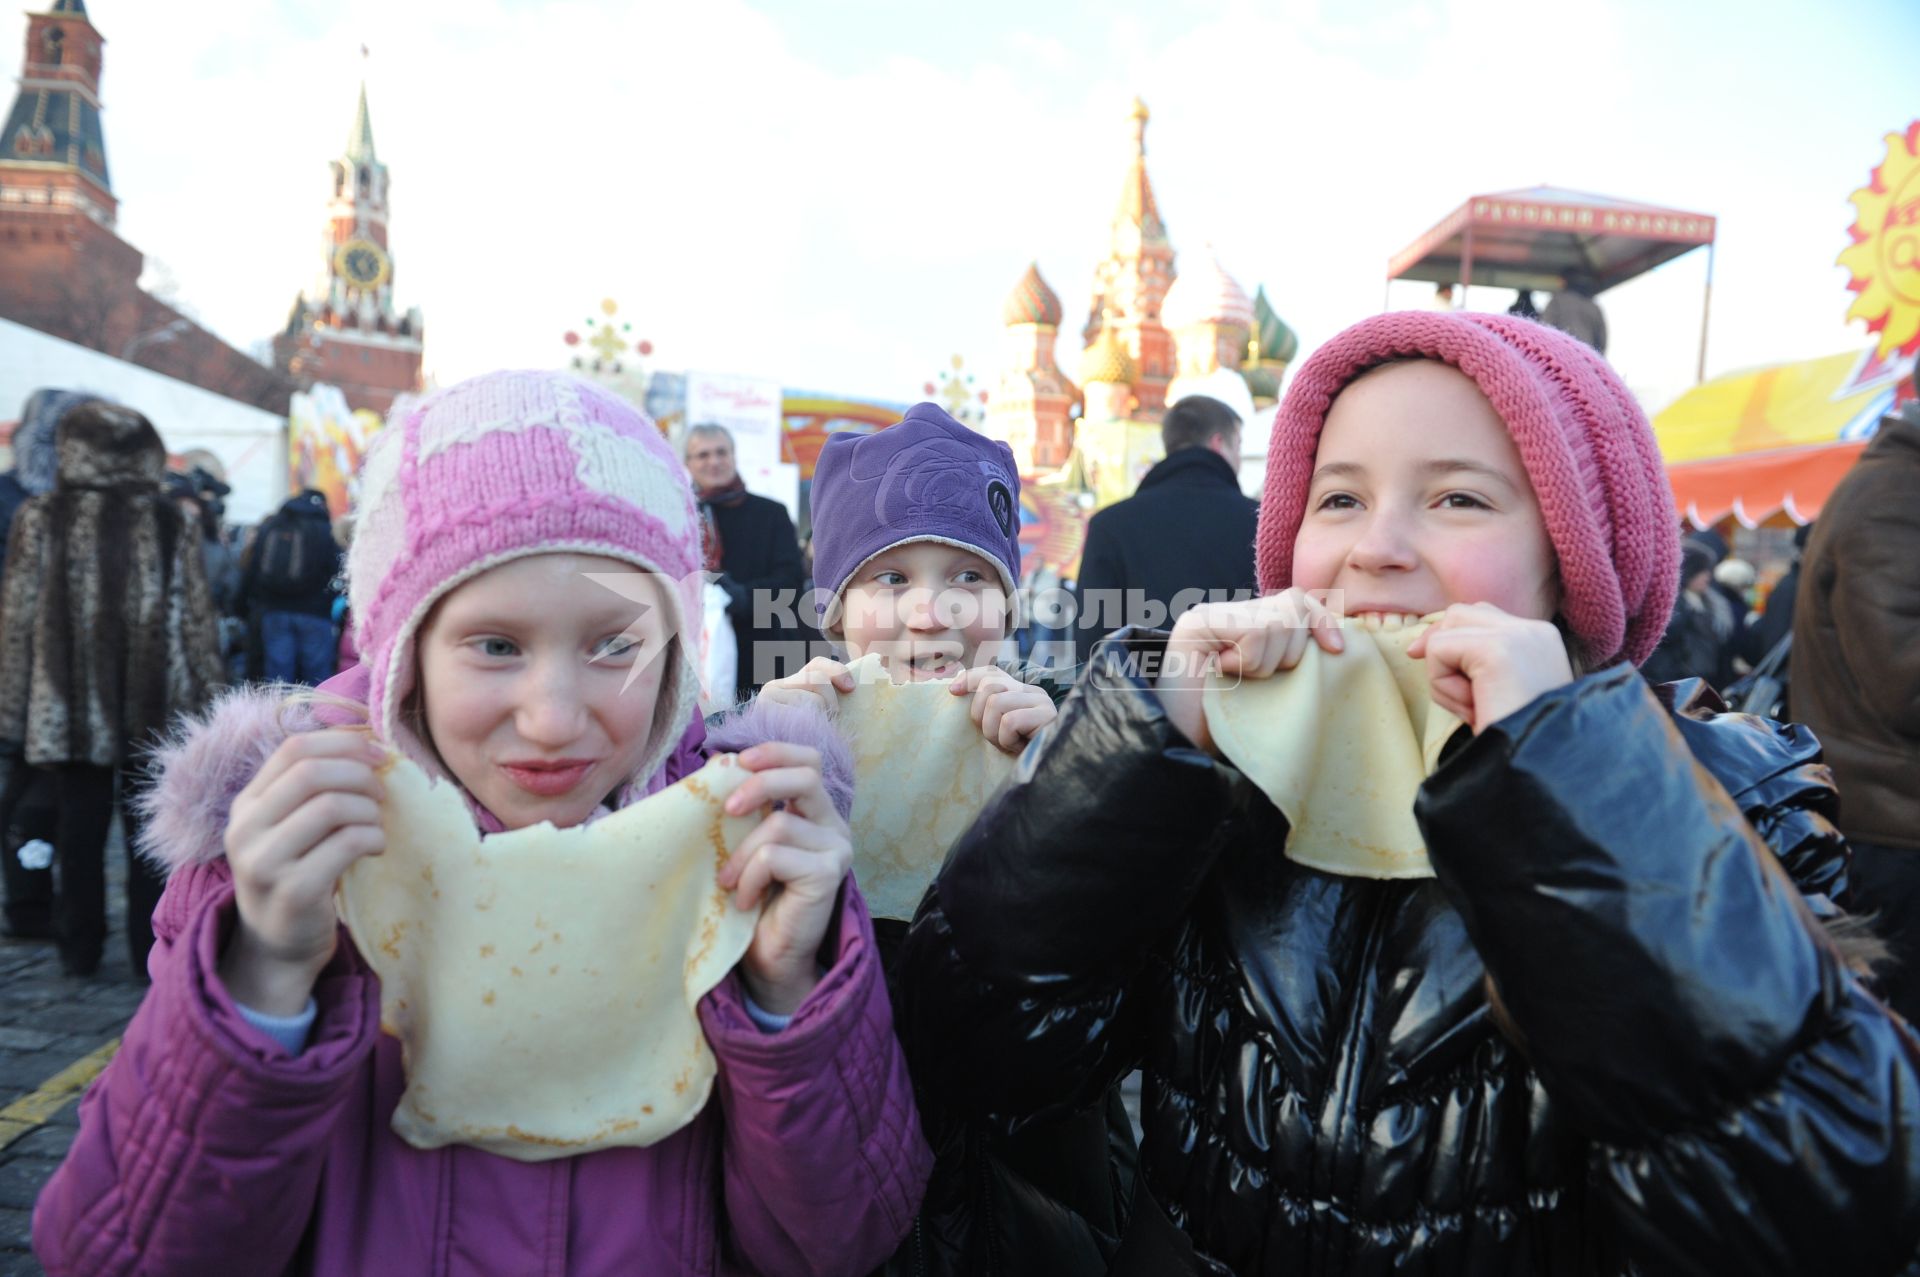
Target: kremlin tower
x: 347, y: 333
x: 64, y: 269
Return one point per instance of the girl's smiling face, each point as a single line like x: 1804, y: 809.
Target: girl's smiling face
x: 1418, y: 500
x: 930, y: 610
x: 538, y: 686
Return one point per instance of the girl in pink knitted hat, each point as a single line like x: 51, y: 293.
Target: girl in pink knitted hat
x: 1617, y: 1026
x: 526, y: 560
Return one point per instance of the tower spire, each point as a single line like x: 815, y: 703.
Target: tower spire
x: 1137, y: 210
x: 1130, y: 284
x: 360, y: 139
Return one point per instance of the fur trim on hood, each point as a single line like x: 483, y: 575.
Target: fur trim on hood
x: 760, y: 720
x: 203, y: 763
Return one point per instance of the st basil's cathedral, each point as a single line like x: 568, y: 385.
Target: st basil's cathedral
x: 1152, y: 335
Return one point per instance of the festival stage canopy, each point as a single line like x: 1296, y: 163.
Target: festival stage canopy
x: 1532, y: 238
x: 1774, y: 440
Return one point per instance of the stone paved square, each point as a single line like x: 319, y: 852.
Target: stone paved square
x: 48, y: 1020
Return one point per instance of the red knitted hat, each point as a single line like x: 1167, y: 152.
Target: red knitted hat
x: 1585, y: 443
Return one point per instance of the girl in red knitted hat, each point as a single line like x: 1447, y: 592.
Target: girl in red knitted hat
x: 1607, y: 1027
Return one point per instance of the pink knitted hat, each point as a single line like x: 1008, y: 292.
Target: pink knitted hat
x: 497, y: 468
x: 1586, y: 446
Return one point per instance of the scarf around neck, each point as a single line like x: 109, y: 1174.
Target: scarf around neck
x: 728, y: 496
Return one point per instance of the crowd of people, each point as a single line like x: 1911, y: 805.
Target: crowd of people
x: 127, y: 601
x: 1629, y: 1018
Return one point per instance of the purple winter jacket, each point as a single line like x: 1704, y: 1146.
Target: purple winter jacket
x: 205, y: 1149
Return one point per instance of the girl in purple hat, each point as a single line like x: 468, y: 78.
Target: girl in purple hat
x: 917, y: 557
x: 1616, y: 1026
x: 246, y: 1124
x: 916, y: 543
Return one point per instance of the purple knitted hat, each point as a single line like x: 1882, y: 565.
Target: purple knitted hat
x: 928, y: 478
x: 1585, y: 443
x: 497, y: 468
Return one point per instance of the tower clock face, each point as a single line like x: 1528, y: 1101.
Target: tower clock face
x: 362, y: 262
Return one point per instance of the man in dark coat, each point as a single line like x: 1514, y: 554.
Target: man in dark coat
x: 1856, y: 679
x: 287, y: 589
x: 107, y: 632
x: 750, y: 542
x: 1186, y: 532
x: 1690, y: 648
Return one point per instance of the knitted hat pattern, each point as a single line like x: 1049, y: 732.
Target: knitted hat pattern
x: 928, y: 478
x: 497, y: 468
x: 1587, y: 448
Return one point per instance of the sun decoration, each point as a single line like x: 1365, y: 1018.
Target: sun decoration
x: 1884, y: 259
x: 607, y: 342
x: 956, y: 393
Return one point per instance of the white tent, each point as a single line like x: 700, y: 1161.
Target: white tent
x: 251, y: 443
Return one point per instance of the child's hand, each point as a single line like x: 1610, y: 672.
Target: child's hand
x: 1484, y: 664
x: 309, y: 813
x: 822, y: 680
x: 1007, y: 711
x: 804, y: 847
x: 1254, y: 639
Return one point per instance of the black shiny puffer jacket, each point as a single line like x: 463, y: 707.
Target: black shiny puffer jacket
x: 1704, y: 1088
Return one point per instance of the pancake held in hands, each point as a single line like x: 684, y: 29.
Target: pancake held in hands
x: 542, y: 982
x: 1341, y: 743
x: 922, y: 772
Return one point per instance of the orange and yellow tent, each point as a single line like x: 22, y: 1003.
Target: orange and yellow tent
x: 1777, y: 439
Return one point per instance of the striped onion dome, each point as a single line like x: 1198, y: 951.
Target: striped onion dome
x: 1277, y: 343
x: 1205, y: 294
x: 1031, y: 301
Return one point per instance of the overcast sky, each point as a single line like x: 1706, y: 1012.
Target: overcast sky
x: 840, y: 195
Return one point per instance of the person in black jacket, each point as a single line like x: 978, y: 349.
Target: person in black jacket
x: 1691, y: 647
x: 1614, y: 1032
x: 749, y: 540
x: 1185, y: 535
x: 288, y: 582
x: 1776, y: 622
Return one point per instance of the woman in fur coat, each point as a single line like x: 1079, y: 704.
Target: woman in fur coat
x: 106, y: 632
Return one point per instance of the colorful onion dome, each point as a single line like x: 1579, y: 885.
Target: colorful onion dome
x: 1107, y: 360
x: 1205, y: 294
x: 1031, y: 301
x: 1277, y: 343
x: 1261, y: 383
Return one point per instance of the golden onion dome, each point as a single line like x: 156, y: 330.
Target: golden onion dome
x: 1107, y: 360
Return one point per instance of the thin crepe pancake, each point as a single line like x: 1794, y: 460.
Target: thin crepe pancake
x: 542, y: 982
x: 922, y: 772
x: 1341, y: 744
